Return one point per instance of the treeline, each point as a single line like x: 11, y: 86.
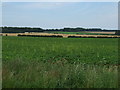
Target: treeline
x: 118, y: 32
x: 29, y: 29
x: 75, y: 29
x: 20, y: 29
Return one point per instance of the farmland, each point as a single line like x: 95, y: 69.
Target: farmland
x: 39, y: 62
x: 84, y: 33
x: 65, y: 34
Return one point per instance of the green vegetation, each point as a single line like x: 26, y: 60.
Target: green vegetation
x: 0, y: 62
x: 29, y: 29
x: 81, y: 33
x: 39, y: 62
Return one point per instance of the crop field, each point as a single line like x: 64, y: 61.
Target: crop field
x: 41, y: 62
x: 65, y: 34
x: 83, y: 33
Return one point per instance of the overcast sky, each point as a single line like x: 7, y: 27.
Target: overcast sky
x: 61, y: 14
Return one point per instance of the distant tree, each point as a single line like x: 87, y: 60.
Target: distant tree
x: 117, y: 32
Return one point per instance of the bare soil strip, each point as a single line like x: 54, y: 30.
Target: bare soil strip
x: 102, y: 32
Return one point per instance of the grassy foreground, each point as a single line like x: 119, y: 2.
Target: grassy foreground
x: 35, y: 62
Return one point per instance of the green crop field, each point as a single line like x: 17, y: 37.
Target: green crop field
x: 79, y: 33
x: 41, y: 62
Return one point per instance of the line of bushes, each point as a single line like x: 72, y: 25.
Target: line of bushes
x: 90, y: 37
x: 41, y: 35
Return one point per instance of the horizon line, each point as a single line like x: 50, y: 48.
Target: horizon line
x: 64, y: 27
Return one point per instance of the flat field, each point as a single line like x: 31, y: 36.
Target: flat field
x: 83, y: 33
x: 41, y: 62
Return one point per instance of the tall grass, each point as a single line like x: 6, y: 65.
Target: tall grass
x: 21, y: 74
x: 0, y: 62
x: 32, y: 62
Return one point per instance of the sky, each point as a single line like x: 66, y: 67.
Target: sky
x: 60, y: 14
